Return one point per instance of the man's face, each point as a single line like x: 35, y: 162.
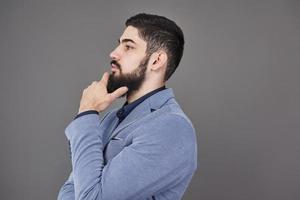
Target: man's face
x: 129, y: 62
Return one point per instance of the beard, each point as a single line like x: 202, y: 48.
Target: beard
x: 132, y: 80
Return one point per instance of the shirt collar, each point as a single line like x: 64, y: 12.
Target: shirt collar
x: 127, y: 108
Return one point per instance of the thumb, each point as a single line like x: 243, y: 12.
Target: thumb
x: 119, y: 92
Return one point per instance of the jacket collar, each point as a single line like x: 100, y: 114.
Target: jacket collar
x: 149, y: 105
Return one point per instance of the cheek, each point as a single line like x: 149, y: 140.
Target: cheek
x: 130, y: 64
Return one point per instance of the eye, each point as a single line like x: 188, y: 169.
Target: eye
x: 127, y: 47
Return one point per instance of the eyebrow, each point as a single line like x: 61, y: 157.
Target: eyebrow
x: 126, y: 40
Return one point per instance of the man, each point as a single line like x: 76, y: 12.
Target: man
x: 147, y: 149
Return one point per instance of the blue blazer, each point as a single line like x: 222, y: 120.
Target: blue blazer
x: 151, y: 154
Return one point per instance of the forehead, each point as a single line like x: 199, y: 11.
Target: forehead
x: 132, y: 33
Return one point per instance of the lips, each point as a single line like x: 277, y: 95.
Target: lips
x: 114, y: 68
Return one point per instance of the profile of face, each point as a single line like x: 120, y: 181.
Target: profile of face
x: 128, y: 62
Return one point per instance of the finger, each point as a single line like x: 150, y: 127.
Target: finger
x: 104, y: 78
x: 119, y: 92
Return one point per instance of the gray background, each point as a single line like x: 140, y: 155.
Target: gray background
x: 238, y: 82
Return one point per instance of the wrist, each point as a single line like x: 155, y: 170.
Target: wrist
x: 88, y: 112
x: 86, y: 109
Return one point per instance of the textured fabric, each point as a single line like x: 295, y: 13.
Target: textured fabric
x: 151, y: 154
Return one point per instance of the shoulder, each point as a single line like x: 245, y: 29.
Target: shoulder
x: 169, y: 135
x: 169, y: 124
x: 172, y: 116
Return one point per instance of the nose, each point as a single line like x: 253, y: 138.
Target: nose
x: 115, y: 55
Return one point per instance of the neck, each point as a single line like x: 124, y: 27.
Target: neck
x: 144, y: 89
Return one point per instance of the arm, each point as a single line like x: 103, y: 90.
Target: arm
x: 95, y: 98
x: 159, y: 155
x: 67, y: 192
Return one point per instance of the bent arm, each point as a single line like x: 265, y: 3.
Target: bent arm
x: 158, y: 157
x: 67, y: 192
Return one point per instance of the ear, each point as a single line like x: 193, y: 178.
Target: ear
x: 158, y: 60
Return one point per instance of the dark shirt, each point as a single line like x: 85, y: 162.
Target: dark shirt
x: 126, y: 108
x: 86, y: 112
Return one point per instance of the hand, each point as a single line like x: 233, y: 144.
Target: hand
x: 96, y: 97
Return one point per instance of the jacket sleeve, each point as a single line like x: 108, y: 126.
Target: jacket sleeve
x: 67, y: 192
x: 161, y: 153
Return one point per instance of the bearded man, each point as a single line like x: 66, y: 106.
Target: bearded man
x: 147, y: 148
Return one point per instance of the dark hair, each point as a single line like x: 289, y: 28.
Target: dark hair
x: 160, y: 33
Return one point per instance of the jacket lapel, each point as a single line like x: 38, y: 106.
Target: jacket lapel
x: 143, y: 109
x: 112, y: 125
x: 138, y: 112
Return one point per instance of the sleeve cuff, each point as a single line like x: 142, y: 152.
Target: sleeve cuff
x: 86, y: 113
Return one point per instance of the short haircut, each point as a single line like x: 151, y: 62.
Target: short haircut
x: 160, y: 32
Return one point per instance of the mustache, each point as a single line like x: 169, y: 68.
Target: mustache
x: 116, y: 63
